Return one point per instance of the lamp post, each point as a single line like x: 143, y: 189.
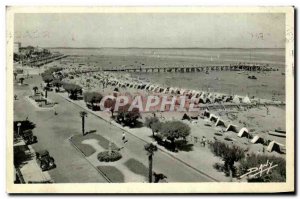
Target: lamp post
x: 150, y: 148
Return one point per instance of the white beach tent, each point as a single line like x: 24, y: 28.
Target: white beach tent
x: 232, y: 127
x: 220, y: 122
x: 257, y: 139
x: 236, y: 99
x: 274, y: 146
x: 182, y: 91
x: 213, y: 118
x: 206, y: 113
x: 246, y: 100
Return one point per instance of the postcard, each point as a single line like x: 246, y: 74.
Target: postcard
x: 150, y: 99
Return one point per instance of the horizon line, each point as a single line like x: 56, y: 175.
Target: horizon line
x: 163, y: 47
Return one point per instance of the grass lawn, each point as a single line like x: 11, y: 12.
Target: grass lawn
x: 114, y: 174
x: 88, y: 150
x: 137, y: 167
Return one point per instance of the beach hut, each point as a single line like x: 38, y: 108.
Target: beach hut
x: 210, y: 100
x: 197, y: 95
x: 243, y: 132
x: 246, y: 100
x: 147, y: 87
x: 220, y: 122
x: 202, y: 100
x: 203, y: 95
x: 190, y: 92
x: 177, y: 91
x: 257, y: 140
x: 182, y: 91
x: 274, y: 146
x: 232, y: 127
x: 213, y: 118
x: 165, y: 91
x: 151, y: 87
x: 227, y: 98
x: 156, y: 89
x: 206, y: 113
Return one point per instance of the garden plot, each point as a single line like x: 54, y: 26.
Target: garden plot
x: 126, y: 169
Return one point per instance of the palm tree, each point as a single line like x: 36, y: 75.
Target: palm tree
x: 150, y: 148
x: 35, y: 88
x: 83, y: 114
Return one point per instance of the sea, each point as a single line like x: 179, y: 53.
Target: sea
x: 268, y: 85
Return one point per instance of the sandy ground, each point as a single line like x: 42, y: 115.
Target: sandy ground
x: 258, y: 120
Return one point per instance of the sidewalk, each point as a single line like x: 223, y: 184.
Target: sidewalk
x: 200, y: 160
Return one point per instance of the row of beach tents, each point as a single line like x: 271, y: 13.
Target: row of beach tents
x: 243, y: 132
x: 198, y: 96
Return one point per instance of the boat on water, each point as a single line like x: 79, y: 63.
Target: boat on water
x: 252, y: 77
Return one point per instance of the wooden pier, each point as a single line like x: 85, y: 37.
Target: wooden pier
x: 191, y: 69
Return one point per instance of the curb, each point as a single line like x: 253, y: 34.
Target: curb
x: 37, y: 107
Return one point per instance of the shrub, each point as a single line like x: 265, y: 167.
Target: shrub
x: 277, y: 174
x: 173, y: 131
x: 92, y: 98
x: 229, y: 154
x: 106, y: 157
x: 152, y: 123
x: 128, y: 117
x: 72, y: 89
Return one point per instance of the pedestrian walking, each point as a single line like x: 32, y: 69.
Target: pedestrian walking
x: 124, y: 137
x: 203, y: 141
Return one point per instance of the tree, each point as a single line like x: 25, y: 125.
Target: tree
x: 83, y: 114
x: 151, y: 122
x: 57, y: 83
x: 72, y: 90
x: 47, y: 78
x: 150, y: 148
x: 126, y: 116
x: 35, y: 88
x: 110, y: 103
x: 15, y: 75
x: 229, y: 154
x: 174, y: 130
x: 21, y: 80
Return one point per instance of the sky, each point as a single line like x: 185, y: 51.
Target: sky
x: 151, y: 30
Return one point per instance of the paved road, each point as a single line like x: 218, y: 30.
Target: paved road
x: 53, y: 133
